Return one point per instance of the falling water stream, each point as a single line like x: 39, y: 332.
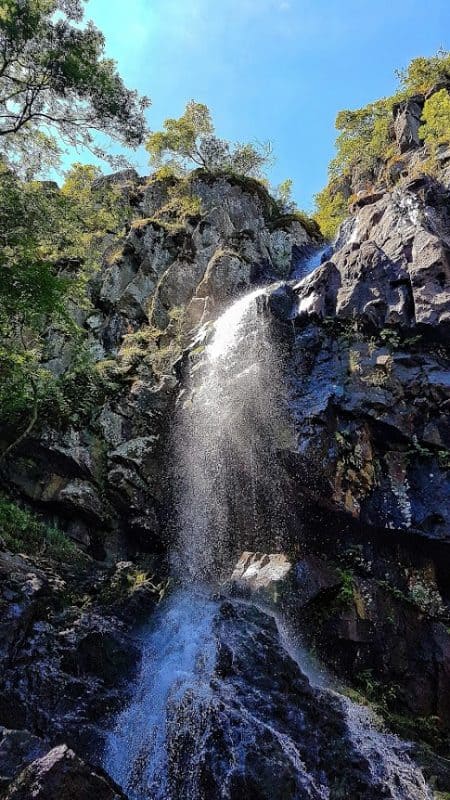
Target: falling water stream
x: 211, y: 715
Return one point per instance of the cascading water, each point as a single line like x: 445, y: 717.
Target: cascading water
x: 229, y: 425
x: 227, y: 479
x: 220, y: 709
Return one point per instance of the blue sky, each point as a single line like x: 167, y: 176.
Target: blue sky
x: 274, y: 70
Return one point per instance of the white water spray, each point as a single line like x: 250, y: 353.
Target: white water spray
x: 228, y: 428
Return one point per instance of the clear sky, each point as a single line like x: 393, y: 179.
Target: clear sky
x: 269, y: 69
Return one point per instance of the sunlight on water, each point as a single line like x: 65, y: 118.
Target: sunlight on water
x: 226, y: 435
x: 178, y: 658
x: 227, y: 327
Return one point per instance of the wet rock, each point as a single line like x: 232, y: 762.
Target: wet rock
x: 61, y: 775
x: 257, y: 571
x: 318, y: 292
x: 314, y: 578
x: 283, y: 303
x: 60, y: 666
x: 266, y: 733
x: 17, y: 750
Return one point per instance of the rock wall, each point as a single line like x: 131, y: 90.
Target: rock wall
x: 368, y: 359
x: 104, y: 477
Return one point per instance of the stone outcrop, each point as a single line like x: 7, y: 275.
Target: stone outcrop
x: 368, y: 365
x: 65, y: 651
x: 260, y: 572
x: 370, y: 373
x: 407, y: 121
x: 60, y: 775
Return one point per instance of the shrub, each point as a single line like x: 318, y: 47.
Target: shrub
x: 23, y: 532
x: 422, y: 73
x: 331, y: 210
x: 436, y: 120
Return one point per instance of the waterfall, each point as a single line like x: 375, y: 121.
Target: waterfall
x: 178, y: 660
x: 229, y: 422
x: 229, y: 425
x: 221, y: 708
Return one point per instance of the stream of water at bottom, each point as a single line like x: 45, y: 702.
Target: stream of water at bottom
x: 178, y: 656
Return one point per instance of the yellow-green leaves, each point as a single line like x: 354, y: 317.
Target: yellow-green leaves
x: 363, y: 136
x: 190, y: 141
x: 423, y: 74
x: 331, y: 210
x: 436, y: 119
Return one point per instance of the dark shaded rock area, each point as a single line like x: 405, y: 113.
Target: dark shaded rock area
x: 367, y: 358
x: 262, y: 731
x: 65, y: 652
x: 60, y: 775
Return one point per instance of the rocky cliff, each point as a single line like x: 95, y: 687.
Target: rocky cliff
x: 364, y: 341
x: 370, y: 393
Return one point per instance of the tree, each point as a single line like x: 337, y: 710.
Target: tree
x: 56, y: 82
x: 364, y: 136
x: 436, y: 119
x: 423, y: 74
x: 42, y: 228
x: 283, y: 196
x: 191, y: 141
x: 30, y: 294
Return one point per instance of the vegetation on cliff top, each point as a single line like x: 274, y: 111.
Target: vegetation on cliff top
x: 366, y: 139
x: 190, y: 141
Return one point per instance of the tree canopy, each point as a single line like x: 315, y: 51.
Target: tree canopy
x: 423, y: 74
x: 190, y: 141
x: 436, y: 119
x: 365, y: 135
x: 56, y: 85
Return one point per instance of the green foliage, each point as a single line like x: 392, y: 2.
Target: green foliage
x: 57, y: 86
x: 182, y: 204
x: 309, y: 224
x: 423, y: 74
x: 81, y: 389
x: 86, y: 211
x: 346, y: 593
x: 331, y: 210
x: 425, y: 729
x: 436, y: 119
x: 39, y: 225
x: 128, y: 580
x: 23, y: 532
x: 283, y: 196
x: 381, y: 694
x: 152, y: 347
x: 190, y: 141
x: 365, y: 135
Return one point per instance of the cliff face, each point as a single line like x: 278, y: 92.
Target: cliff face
x: 370, y: 393
x: 366, y: 363
x: 105, y: 477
